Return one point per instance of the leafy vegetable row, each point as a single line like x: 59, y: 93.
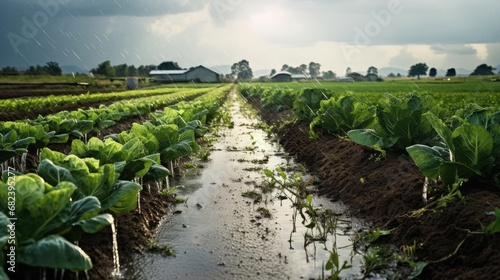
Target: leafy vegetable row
x: 463, y: 146
x: 16, y: 137
x: 81, y: 192
x: 40, y: 104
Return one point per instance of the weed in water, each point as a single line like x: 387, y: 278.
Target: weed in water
x: 366, y: 238
x: 163, y: 250
x: 257, y: 197
x: 376, y: 258
x: 171, y: 197
x: 264, y: 212
x: 494, y: 226
x: 190, y: 165
x: 203, y: 155
x: 334, y: 266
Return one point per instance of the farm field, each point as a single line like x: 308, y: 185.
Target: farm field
x: 382, y: 157
x: 256, y: 180
x: 456, y: 93
x: 109, y: 185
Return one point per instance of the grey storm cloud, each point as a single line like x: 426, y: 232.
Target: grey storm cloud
x: 86, y: 32
x: 87, y: 8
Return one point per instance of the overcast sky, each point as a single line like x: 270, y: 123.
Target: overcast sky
x: 335, y: 33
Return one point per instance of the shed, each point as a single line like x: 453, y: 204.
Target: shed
x: 282, y: 76
x: 198, y: 74
x: 346, y: 79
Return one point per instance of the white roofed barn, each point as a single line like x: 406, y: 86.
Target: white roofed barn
x: 199, y: 74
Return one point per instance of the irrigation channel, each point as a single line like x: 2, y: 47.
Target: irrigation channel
x: 220, y: 234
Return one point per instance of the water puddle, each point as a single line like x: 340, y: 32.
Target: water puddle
x: 220, y: 234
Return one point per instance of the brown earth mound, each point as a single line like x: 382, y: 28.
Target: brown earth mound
x: 384, y: 191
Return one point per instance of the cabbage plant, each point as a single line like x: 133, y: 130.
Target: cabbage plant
x: 91, y: 179
x: 399, y: 123
x: 47, y: 222
x: 340, y: 115
x: 470, y: 150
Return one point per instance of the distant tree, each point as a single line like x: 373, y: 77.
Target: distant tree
x: 9, y: 70
x: 53, y: 69
x: 348, y: 71
x: 418, y: 69
x: 285, y: 67
x: 105, y: 69
x: 37, y: 70
x: 41, y: 70
x: 169, y: 65
x: 302, y: 69
x: 144, y: 70
x: 132, y: 71
x: 483, y: 70
x: 272, y: 72
x: 241, y: 70
x: 294, y: 70
x: 372, y: 70
x: 451, y: 72
x: 31, y: 70
x: 141, y: 71
x: 391, y: 75
x: 121, y: 70
x: 398, y: 75
x: 314, y: 69
x: 357, y: 77
x: 329, y: 75
x: 432, y: 72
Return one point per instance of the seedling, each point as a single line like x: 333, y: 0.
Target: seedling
x: 334, y: 265
x: 494, y: 226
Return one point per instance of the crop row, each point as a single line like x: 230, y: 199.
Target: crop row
x: 19, y: 136
x: 450, y: 95
x: 450, y: 146
x: 82, y: 193
x: 39, y: 104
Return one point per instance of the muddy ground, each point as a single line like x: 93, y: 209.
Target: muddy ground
x: 384, y: 190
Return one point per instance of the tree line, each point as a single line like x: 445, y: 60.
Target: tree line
x: 104, y: 69
x: 123, y: 70
x: 51, y: 68
x: 240, y: 70
x: 420, y: 69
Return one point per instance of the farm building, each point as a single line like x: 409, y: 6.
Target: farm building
x: 346, y: 79
x: 285, y: 76
x: 199, y: 74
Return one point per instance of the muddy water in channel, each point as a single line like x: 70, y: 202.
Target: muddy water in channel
x: 219, y: 234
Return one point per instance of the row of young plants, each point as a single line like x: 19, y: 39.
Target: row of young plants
x: 39, y: 104
x: 465, y: 145
x: 449, y: 150
x: 83, y: 192
x: 19, y: 136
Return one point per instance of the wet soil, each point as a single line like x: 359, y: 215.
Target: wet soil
x: 222, y: 232
x: 385, y: 190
